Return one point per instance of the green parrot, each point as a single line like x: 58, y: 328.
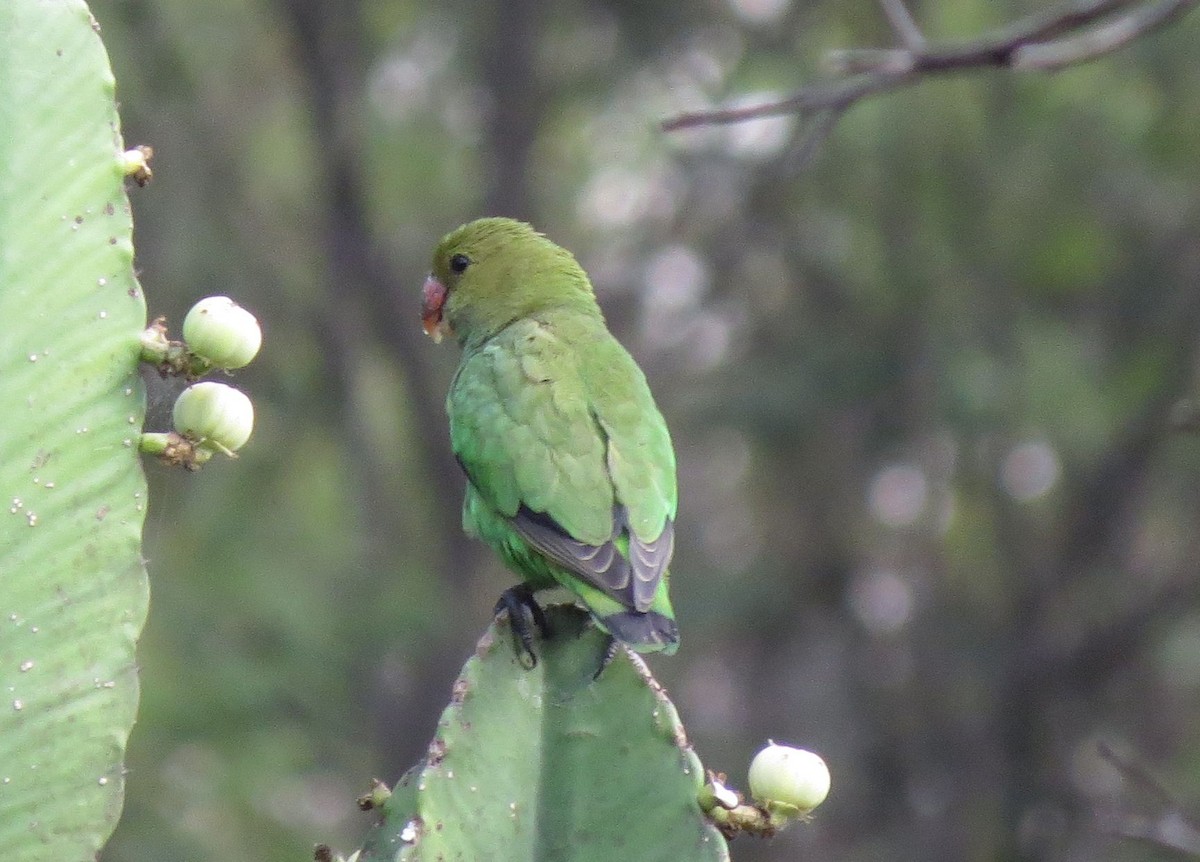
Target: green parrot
x: 570, y: 470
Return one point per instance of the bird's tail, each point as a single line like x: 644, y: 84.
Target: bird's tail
x: 643, y: 631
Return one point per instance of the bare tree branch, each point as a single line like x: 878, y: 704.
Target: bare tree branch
x: 1046, y: 41
x: 1052, y: 56
x: 1054, y: 22
x: 903, y: 24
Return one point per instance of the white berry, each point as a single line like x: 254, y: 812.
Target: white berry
x: 214, y: 414
x: 221, y: 331
x: 784, y: 776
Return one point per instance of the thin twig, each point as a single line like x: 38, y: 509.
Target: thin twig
x: 902, y: 22
x: 837, y: 95
x: 808, y: 147
x: 1105, y: 39
x: 1057, y: 20
x: 1045, y: 41
x: 856, y: 61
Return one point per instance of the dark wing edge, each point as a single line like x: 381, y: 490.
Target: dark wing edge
x: 632, y: 582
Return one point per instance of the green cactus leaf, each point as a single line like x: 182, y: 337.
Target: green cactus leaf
x: 549, y: 764
x: 73, y: 588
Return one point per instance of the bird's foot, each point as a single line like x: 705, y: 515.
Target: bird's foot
x: 610, y: 653
x: 516, y: 600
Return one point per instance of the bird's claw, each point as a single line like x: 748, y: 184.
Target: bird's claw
x: 516, y: 600
x: 610, y: 653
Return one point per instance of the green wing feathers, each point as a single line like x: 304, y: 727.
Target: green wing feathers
x: 521, y: 426
x: 559, y: 436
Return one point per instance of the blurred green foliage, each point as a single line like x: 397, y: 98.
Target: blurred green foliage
x: 938, y: 517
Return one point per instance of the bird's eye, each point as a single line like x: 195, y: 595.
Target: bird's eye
x: 459, y: 262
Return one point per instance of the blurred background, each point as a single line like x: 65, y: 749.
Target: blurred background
x: 929, y: 396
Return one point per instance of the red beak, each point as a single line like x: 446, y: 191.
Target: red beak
x: 433, y: 297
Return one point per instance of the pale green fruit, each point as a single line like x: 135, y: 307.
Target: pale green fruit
x: 215, y: 415
x: 221, y: 331
x: 782, y: 778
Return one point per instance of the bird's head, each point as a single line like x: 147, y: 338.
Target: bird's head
x: 492, y: 271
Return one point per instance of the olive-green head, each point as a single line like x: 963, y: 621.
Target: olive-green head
x: 493, y: 271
